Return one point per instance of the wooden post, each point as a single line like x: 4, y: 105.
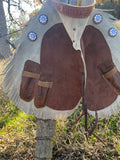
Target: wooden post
x: 45, y: 133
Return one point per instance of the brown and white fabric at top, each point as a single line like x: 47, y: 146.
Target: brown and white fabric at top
x: 74, y: 18
x: 72, y: 10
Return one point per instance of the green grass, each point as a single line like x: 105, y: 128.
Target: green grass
x: 17, y: 136
x: 17, y: 132
x: 12, y: 118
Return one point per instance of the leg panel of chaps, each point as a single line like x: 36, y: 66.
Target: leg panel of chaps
x: 99, y: 62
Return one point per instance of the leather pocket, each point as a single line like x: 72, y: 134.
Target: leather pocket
x: 113, y: 78
x: 30, y: 76
x: 42, y: 89
x: 111, y: 75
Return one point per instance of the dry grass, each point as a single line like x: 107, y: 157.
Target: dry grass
x: 17, y: 137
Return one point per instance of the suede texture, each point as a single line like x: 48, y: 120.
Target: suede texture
x: 99, y: 93
x: 62, y: 65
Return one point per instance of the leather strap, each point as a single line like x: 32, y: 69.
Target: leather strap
x: 45, y: 84
x: 110, y: 73
x: 37, y: 76
x: 31, y: 75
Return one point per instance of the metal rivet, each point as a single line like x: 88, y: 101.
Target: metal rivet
x: 112, y: 32
x: 32, y: 36
x: 97, y: 19
x: 43, y: 19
